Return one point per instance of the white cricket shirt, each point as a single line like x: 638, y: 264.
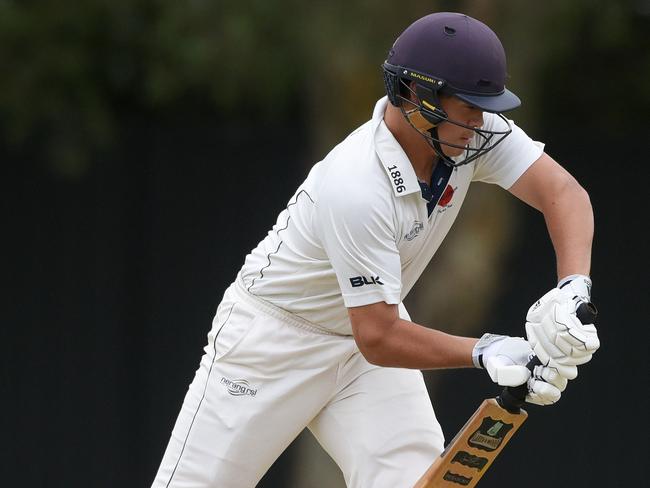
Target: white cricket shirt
x: 357, y: 231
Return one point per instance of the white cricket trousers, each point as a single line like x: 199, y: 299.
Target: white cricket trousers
x: 266, y: 375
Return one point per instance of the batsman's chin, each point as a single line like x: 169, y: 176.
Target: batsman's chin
x: 453, y: 152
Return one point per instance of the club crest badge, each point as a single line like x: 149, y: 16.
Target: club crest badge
x: 490, y: 435
x: 447, y: 195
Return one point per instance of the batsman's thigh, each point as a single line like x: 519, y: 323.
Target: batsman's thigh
x: 381, y: 428
x: 215, y: 411
x: 259, y: 384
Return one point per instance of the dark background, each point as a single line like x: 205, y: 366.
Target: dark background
x: 146, y: 147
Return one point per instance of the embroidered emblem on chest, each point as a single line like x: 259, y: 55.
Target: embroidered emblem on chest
x: 446, y: 197
x: 415, y: 230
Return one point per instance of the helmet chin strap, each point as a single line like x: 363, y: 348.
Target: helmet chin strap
x: 434, y: 142
x: 421, y: 124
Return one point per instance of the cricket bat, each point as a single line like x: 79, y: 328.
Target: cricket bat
x: 469, y: 455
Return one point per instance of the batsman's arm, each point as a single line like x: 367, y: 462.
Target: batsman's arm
x: 386, y: 340
x: 549, y: 188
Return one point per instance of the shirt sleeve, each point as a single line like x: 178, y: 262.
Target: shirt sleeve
x: 504, y: 164
x: 357, y: 231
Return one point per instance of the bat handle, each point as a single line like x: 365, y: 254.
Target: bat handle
x: 513, y: 398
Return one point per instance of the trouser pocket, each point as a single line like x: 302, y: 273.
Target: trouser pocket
x: 231, y: 325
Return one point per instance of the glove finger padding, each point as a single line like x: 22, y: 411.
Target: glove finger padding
x: 503, y: 372
x: 541, y: 340
x: 546, y: 350
x: 542, y: 393
x: 565, y: 323
x: 587, y: 336
x: 550, y: 375
x: 568, y: 371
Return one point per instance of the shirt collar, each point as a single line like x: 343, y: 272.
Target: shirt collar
x: 398, y: 168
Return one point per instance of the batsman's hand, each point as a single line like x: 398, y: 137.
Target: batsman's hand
x: 505, y: 360
x: 558, y: 337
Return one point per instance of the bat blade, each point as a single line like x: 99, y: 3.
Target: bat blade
x: 468, y: 456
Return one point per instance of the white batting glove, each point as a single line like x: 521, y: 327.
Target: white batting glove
x: 505, y: 360
x: 577, y: 285
x: 556, y: 334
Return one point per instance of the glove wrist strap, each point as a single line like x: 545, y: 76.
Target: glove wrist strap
x: 577, y: 284
x: 483, y: 342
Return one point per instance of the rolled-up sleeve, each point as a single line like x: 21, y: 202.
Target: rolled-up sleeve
x: 504, y: 164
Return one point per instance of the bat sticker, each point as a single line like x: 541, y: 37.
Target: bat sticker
x: 469, y: 460
x: 456, y: 478
x: 489, y: 435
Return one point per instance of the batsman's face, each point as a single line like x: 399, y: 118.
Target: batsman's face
x: 461, y: 112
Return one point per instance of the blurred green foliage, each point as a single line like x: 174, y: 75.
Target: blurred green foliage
x: 74, y: 71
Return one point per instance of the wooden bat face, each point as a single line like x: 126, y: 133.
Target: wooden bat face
x: 472, y: 451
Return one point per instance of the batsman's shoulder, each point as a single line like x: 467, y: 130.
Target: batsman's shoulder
x: 354, y: 192
x: 493, y: 122
x: 351, y: 179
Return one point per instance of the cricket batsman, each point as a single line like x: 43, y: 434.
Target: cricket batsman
x: 312, y: 332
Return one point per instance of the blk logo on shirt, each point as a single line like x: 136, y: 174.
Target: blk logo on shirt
x: 362, y: 280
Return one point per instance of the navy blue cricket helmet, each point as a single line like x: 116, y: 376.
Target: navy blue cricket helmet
x: 454, y: 55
